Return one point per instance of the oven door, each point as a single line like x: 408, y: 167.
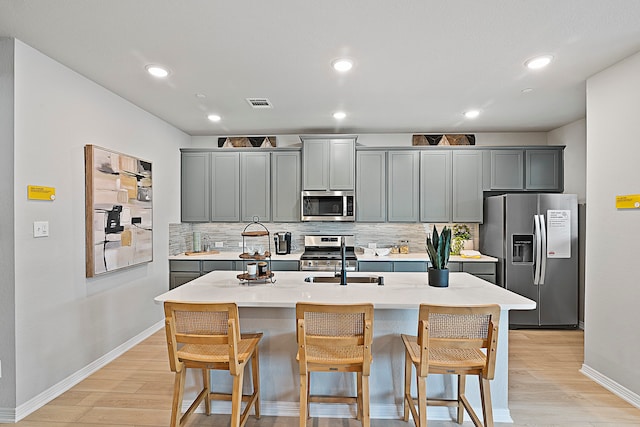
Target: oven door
x: 327, y: 206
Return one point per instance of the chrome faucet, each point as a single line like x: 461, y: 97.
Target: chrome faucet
x: 343, y: 264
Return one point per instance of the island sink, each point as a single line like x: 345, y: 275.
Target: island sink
x: 350, y: 279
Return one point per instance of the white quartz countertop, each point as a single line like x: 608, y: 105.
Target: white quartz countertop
x: 233, y: 256
x: 417, y: 256
x: 400, y: 291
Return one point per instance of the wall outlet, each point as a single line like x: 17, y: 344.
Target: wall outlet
x: 40, y: 228
x: 219, y: 244
x: 373, y: 245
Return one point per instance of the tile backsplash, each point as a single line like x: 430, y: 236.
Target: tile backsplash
x: 230, y: 233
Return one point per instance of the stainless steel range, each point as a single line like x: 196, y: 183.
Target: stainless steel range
x: 322, y: 253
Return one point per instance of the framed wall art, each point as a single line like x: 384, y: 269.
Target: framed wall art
x: 118, y: 211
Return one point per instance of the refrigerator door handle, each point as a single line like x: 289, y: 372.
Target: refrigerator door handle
x: 538, y: 249
x: 543, y: 252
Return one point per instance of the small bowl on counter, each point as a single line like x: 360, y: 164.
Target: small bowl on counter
x: 383, y: 251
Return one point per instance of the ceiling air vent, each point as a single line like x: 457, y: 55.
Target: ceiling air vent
x: 259, y: 102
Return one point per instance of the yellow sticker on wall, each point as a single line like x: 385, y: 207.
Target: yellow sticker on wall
x: 37, y: 192
x: 629, y: 201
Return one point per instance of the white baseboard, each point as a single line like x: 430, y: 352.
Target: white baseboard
x: 377, y: 411
x: 10, y: 415
x: 612, y: 386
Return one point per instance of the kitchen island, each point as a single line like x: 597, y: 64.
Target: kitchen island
x: 270, y: 308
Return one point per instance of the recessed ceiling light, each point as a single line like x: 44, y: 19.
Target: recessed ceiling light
x: 342, y: 65
x: 538, y: 62
x: 471, y: 114
x: 527, y: 90
x: 201, y: 95
x: 214, y: 117
x: 157, y: 71
x: 339, y: 115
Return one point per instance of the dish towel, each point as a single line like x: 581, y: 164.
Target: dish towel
x: 469, y: 253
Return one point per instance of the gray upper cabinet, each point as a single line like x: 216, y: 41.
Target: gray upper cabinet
x: 526, y: 169
x: 435, y: 186
x: 507, y: 169
x: 328, y: 164
x: 451, y: 186
x: 371, y: 181
x: 285, y: 186
x: 342, y: 164
x: 544, y: 170
x: 195, y: 191
x: 255, y: 184
x: 467, y: 186
x: 403, y: 186
x: 225, y: 186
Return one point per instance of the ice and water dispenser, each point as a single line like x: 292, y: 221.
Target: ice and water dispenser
x: 522, y: 248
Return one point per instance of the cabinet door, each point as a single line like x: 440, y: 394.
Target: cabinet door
x: 507, y: 169
x: 315, y: 168
x: 544, y: 170
x: 341, y: 164
x: 225, y: 186
x: 410, y: 266
x: 373, y: 266
x: 285, y: 186
x: 194, y: 187
x: 180, y: 278
x: 402, y: 186
x: 285, y: 265
x: 371, y: 181
x: 467, y: 186
x: 435, y: 186
x: 255, y: 188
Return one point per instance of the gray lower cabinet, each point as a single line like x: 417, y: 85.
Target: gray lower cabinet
x: 285, y: 186
x: 288, y: 265
x: 182, y: 271
x: 371, y: 266
x: 410, y: 266
x: 255, y: 185
x: 371, y: 186
x: 403, y: 186
x: 483, y: 270
x: 194, y: 186
x: 392, y: 266
x: 225, y: 265
x: 179, y: 278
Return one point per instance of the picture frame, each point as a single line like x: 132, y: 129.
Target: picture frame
x: 118, y: 211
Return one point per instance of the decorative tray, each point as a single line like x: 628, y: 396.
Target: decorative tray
x: 246, y: 255
x: 247, y: 277
x: 255, y: 233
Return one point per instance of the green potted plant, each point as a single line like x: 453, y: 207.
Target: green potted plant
x: 461, y: 233
x: 438, y: 249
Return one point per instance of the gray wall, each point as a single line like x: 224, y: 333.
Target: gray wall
x: 63, y: 321
x: 612, y: 341
x: 7, y: 255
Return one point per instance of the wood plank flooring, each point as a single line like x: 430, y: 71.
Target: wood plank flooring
x: 545, y: 389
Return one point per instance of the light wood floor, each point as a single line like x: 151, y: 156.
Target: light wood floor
x: 545, y: 389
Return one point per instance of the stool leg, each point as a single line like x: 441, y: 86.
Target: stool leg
x: 207, y: 386
x: 485, y: 394
x: 236, y: 399
x: 406, y: 401
x: 462, y: 381
x: 365, y: 401
x: 178, y: 392
x: 255, y: 373
x: 304, y: 390
x: 359, y: 395
x: 422, y: 402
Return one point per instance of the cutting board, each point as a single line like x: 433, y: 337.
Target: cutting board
x: 201, y: 253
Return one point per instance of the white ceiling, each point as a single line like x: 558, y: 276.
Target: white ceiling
x: 418, y: 63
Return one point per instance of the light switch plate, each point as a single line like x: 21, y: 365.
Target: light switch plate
x: 219, y: 244
x: 40, y: 228
x: 373, y: 245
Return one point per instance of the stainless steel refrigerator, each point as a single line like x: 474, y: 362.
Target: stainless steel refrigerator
x: 535, y: 238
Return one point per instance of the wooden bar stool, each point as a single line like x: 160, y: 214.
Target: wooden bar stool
x: 452, y: 340
x: 335, y: 338
x: 207, y: 336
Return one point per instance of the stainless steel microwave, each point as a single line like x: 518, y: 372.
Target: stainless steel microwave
x: 328, y: 206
